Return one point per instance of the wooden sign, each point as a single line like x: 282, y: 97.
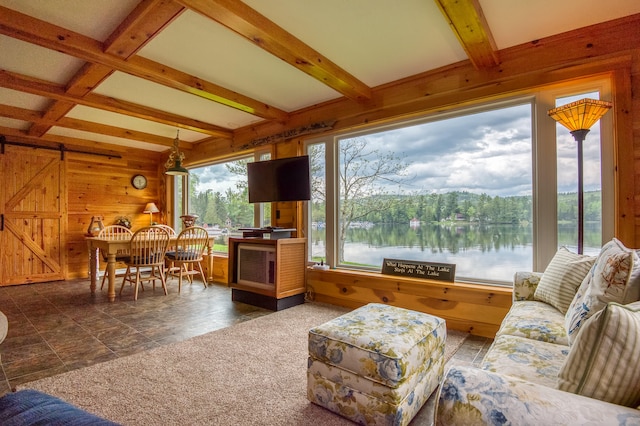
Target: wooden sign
x: 291, y: 133
x: 415, y: 269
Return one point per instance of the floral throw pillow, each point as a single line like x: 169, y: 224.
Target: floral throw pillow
x: 561, y: 279
x: 614, y: 277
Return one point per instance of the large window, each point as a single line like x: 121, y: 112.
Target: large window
x: 217, y: 194
x: 473, y: 187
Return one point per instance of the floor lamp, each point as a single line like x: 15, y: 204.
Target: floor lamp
x: 578, y: 117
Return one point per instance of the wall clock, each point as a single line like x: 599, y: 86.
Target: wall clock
x: 139, y: 182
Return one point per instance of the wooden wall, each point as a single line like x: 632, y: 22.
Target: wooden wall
x: 101, y: 186
x: 467, y: 307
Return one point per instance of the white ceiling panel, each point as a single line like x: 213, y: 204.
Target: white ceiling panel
x: 124, y: 121
x: 14, y: 124
x: 93, y: 18
x: 133, y: 89
x: 377, y: 41
x: 35, y: 61
x: 80, y: 134
x: 23, y: 100
x: 205, y: 49
x: 517, y: 21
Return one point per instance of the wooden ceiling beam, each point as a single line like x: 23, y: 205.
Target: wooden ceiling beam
x: 97, y: 147
x: 469, y: 24
x: 41, y: 33
x: 262, y: 32
x: 34, y: 86
x: 146, y: 20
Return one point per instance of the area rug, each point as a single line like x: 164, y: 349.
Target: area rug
x: 253, y: 373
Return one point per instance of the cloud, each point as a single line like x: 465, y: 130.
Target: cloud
x: 487, y: 152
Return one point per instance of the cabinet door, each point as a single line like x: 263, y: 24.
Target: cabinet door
x: 32, y: 205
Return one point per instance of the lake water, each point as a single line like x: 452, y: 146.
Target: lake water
x: 488, y: 253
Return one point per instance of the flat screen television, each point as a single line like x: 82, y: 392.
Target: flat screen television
x: 284, y: 179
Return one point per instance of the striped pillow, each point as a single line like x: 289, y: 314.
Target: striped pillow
x: 603, y: 362
x: 562, y: 278
x: 614, y: 277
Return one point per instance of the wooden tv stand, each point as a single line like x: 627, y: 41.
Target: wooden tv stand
x: 289, y: 285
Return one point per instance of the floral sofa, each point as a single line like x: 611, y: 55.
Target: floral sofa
x: 567, y: 352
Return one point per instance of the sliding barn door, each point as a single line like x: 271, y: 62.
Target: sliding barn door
x: 32, y: 208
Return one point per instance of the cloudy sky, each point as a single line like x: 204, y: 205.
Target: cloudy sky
x: 487, y: 152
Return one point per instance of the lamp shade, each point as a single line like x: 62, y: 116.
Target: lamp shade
x: 580, y: 115
x: 173, y: 165
x: 151, y: 208
x: 177, y: 170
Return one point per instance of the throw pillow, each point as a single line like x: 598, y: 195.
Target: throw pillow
x: 562, y: 278
x: 614, y: 277
x: 603, y: 362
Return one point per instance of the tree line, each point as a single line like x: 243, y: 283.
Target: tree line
x: 464, y: 206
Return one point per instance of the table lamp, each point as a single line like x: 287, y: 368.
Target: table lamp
x: 151, y: 208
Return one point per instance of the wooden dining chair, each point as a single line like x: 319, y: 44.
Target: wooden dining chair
x: 114, y: 232
x: 147, y: 249
x: 186, y: 258
x: 172, y: 232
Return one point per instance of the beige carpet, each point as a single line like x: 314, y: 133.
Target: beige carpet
x: 253, y: 373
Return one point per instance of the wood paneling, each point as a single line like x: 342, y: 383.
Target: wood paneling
x: 101, y: 186
x: 468, y: 307
x: 33, y: 208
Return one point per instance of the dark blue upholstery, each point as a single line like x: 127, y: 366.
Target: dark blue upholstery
x: 30, y: 407
x: 181, y: 255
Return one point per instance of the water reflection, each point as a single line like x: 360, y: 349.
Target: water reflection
x: 485, y: 252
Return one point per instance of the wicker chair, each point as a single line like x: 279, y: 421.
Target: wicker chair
x: 114, y: 232
x: 186, y: 259
x: 147, y: 250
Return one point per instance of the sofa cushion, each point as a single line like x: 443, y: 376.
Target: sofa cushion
x: 604, y: 361
x: 470, y: 396
x: 535, y: 320
x: 614, y: 277
x: 531, y: 360
x: 31, y: 407
x: 561, y: 279
x: 4, y: 326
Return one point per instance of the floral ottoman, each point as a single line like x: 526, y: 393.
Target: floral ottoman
x: 377, y: 364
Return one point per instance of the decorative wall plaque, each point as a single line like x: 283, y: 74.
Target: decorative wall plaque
x: 415, y: 269
x: 291, y: 133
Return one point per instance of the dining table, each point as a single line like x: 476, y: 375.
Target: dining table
x: 111, y: 247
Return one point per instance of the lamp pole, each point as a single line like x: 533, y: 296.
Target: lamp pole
x: 579, y: 136
x: 578, y: 117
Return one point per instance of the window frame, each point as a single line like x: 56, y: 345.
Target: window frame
x: 181, y: 203
x: 544, y: 173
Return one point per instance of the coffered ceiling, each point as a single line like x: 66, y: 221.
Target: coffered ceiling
x: 129, y: 73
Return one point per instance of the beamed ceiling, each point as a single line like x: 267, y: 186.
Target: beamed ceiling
x: 113, y: 75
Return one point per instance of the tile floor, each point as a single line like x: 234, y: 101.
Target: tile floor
x: 58, y: 327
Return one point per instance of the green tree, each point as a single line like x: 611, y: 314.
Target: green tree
x: 361, y: 174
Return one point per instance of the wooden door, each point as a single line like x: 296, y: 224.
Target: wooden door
x: 33, y: 211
